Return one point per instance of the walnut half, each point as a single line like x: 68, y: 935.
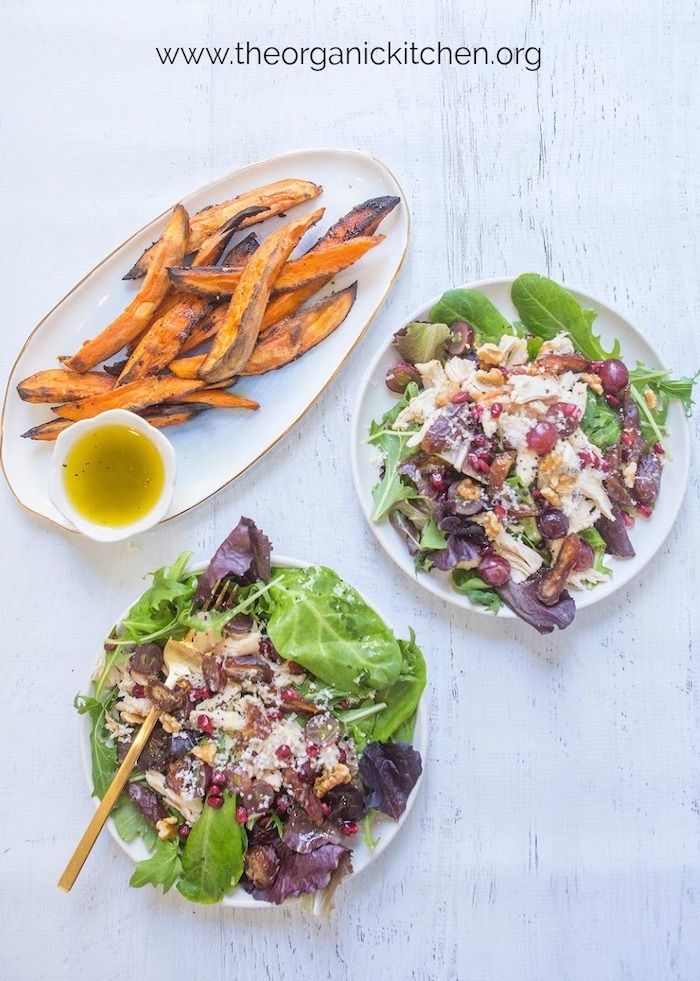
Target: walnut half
x: 338, y: 775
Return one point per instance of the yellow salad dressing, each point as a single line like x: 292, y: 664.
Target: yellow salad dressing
x: 113, y: 475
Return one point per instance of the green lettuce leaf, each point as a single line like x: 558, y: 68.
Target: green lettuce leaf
x: 467, y: 581
x: 546, y: 309
x: 163, y: 868
x: 600, y: 423
x: 597, y: 543
x: 423, y: 342
x: 432, y: 538
x: 402, y: 698
x: 103, y: 754
x: 391, y: 489
x: 212, y: 859
x: 322, y: 623
x: 473, y: 308
x: 130, y: 823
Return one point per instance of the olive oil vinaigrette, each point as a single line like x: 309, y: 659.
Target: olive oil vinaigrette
x: 113, y: 475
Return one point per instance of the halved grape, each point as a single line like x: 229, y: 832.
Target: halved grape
x: 585, y: 558
x: 494, y: 570
x: 400, y: 376
x: 462, y: 338
x: 542, y: 438
x: 565, y: 416
x: 613, y: 375
x: 552, y: 523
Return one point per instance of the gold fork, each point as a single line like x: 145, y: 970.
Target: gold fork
x: 177, y: 666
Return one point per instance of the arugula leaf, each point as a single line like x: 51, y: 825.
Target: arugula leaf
x: 653, y: 421
x: 163, y: 868
x: 600, y: 422
x: 367, y: 835
x: 432, y: 538
x: 322, y: 623
x: 130, y: 823
x: 212, y: 859
x: 467, y: 581
x: 597, y: 543
x: 547, y: 309
x: 103, y: 753
x: 423, y: 342
x: 473, y: 308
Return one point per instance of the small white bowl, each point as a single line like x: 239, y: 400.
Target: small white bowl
x: 57, y: 492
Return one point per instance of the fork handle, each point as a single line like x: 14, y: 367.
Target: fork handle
x: 93, y: 829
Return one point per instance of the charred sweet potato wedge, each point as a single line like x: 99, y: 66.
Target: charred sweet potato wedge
x: 164, y: 339
x: 241, y: 252
x: 329, y: 315
x: 235, y: 339
x: 47, y: 432
x: 134, y: 396
x: 169, y: 251
x: 275, y: 198
x: 214, y: 245
x: 285, y: 304
x: 219, y: 398
x: 363, y: 219
x: 280, y: 345
x: 215, y: 282
x: 61, y: 385
x: 187, y: 367
x: 206, y: 328
x: 172, y: 414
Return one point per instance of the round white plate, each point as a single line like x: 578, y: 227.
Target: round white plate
x: 219, y: 445
x: 383, y: 828
x: 647, y: 536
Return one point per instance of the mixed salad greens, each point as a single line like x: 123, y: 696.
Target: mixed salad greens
x: 287, y: 735
x: 520, y: 454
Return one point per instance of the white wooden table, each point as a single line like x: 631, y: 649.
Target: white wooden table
x: 558, y: 833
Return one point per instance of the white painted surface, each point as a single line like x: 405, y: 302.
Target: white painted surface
x: 558, y: 836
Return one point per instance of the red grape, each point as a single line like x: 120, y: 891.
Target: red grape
x: 553, y: 523
x: 613, y: 375
x: 586, y: 557
x: 462, y: 337
x: 542, y: 438
x: 494, y: 570
x: 565, y: 416
x: 400, y: 376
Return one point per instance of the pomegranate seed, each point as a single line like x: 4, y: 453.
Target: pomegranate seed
x: 481, y: 466
x: 344, y: 703
x: 218, y: 779
x: 215, y: 790
x: 195, y: 695
x: 204, y: 723
x: 326, y: 808
x: 312, y: 751
x: 264, y: 821
x: 267, y: 649
x: 282, y: 804
x: 628, y: 519
x: 496, y: 410
x: 288, y: 694
x: 283, y: 752
x: 477, y: 411
x: 503, y: 371
x: 274, y: 714
x: 645, y: 510
x: 613, y: 401
x: 138, y: 691
x: 461, y: 397
x: 537, y: 495
x: 499, y: 511
x: 184, y: 831
x: 294, y: 668
x: 658, y: 449
x: 586, y: 459
x: 604, y: 465
x: 215, y: 802
x: 627, y: 439
x: 437, y: 481
x: 342, y: 756
x: 241, y: 815
x: 349, y: 829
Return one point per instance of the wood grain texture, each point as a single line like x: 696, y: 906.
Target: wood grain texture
x: 558, y: 835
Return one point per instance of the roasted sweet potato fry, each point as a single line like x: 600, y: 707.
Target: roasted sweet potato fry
x: 280, y: 345
x: 214, y: 245
x: 187, y: 367
x: 240, y: 252
x: 169, y: 251
x: 164, y: 339
x: 214, y: 282
x: 330, y: 314
x: 285, y: 304
x: 172, y: 415
x: 205, y: 329
x: 276, y: 198
x: 219, y: 398
x: 135, y: 396
x: 290, y: 338
x: 47, y: 432
x: 364, y: 219
x: 235, y: 339
x: 61, y: 385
